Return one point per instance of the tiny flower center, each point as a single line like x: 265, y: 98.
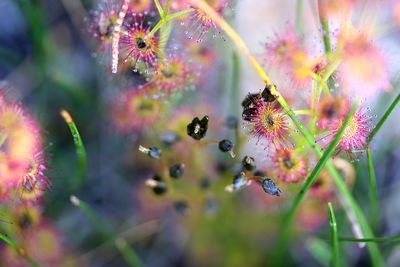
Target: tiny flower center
x: 140, y: 43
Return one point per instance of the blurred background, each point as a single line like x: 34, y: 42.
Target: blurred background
x: 50, y: 61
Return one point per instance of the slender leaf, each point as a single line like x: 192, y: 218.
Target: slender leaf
x: 80, y: 151
x: 373, y: 190
x: 20, y: 251
x: 334, y: 237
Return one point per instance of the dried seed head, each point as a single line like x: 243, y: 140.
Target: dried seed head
x: 248, y: 163
x: 176, y: 171
x: 197, y: 129
x: 269, y: 186
x: 267, y: 95
x: 152, y: 152
x: 239, y: 181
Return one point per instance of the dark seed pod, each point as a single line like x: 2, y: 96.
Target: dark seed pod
x: 232, y: 122
x: 176, y: 171
x: 169, y: 138
x: 249, y: 100
x: 154, y: 152
x: 267, y: 95
x: 239, y: 181
x: 248, y: 113
x: 181, y: 207
x: 248, y: 163
x: 269, y: 186
x: 157, y: 185
x: 197, y: 129
x: 225, y: 145
x: 160, y: 188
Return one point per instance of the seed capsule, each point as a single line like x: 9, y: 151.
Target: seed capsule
x: 269, y: 186
x: 152, y: 152
x: 158, y: 186
x: 267, y: 95
x: 197, y: 129
x: 176, y: 171
x: 225, y: 145
x: 248, y: 163
x: 239, y: 181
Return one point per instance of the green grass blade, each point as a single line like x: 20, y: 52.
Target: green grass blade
x: 389, y: 239
x: 20, y: 251
x: 310, y: 180
x: 373, y: 190
x: 80, y: 151
x: 107, y: 234
x: 384, y: 118
x: 334, y: 237
x: 129, y: 255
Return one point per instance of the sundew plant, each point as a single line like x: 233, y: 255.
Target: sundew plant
x: 199, y: 133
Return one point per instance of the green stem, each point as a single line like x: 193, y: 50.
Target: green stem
x: 325, y: 29
x: 334, y: 237
x: 107, y: 234
x: 394, y: 239
x: 20, y: 251
x: 373, y: 190
x: 299, y: 16
x: 168, y: 18
x: 384, y: 118
x: 159, y: 8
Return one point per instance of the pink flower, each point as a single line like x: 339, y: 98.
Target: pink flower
x: 289, y: 167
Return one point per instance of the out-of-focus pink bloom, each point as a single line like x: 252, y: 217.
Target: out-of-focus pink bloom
x: 363, y: 70
x: 21, y: 152
x: 289, y: 167
x: 133, y: 110
x: 139, y: 6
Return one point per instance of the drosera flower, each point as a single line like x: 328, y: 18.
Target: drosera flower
x: 363, y: 71
x: 288, y: 166
x: 133, y: 110
x: 201, y: 23
x: 22, y: 163
x: 331, y: 109
x: 267, y: 120
x: 137, y: 45
x: 280, y: 49
x: 355, y: 136
x: 172, y: 74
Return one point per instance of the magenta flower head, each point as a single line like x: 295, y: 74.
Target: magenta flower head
x: 201, y: 22
x: 133, y: 110
x: 136, y: 44
x: 356, y: 134
x: 22, y: 164
x: 266, y: 120
x: 289, y: 167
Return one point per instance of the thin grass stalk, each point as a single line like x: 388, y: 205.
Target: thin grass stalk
x: 334, y: 237
x: 373, y: 190
x: 80, y: 151
x: 20, y: 251
x: 129, y: 255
